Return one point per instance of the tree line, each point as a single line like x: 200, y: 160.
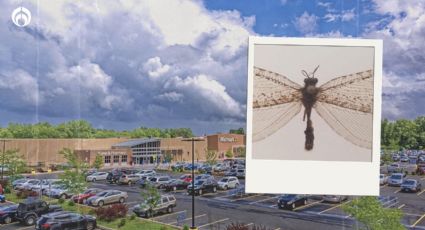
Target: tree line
x: 403, y: 134
x: 83, y: 129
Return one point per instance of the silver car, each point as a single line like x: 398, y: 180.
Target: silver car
x: 97, y: 176
x: 107, y: 197
x: 27, y: 184
x: 159, y: 181
x: 334, y: 199
x: 228, y: 182
x: 165, y: 205
x: 128, y: 179
x: 383, y: 179
x: 396, y: 179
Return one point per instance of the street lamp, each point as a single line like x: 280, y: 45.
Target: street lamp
x: 4, y: 152
x: 193, y: 139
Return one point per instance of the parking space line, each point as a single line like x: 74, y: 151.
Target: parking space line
x: 248, y: 224
x: 333, y: 207
x: 277, y: 229
x: 411, y: 214
x: 383, y: 186
x: 174, y: 213
x: 218, y: 221
x: 243, y: 198
x: 423, y: 178
x: 397, y: 191
x: 308, y: 205
x: 421, y: 192
x: 401, y: 206
x: 175, y: 222
x: 419, y: 220
x: 270, y: 198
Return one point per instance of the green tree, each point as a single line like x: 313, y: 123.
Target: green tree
x: 14, y: 163
x: 237, y: 131
x: 98, y: 162
x: 73, y: 178
x: 151, y: 197
x: 168, y: 157
x: 369, y: 212
x: 211, y: 157
x: 229, y: 154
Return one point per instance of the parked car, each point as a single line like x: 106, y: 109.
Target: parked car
x: 175, y: 185
x: 203, y: 177
x: 17, y: 182
x: 334, y: 199
x: 232, y: 172
x: 90, y: 172
x: 186, y: 178
x: 114, y: 175
x: 166, y: 204
x: 396, y: 179
x: 383, y: 179
x: 205, y: 168
x: 396, y: 157
x: 26, y: 184
x: 189, y: 167
x: 240, y: 173
x: 97, y: 176
x: 421, y: 169
x: 178, y: 166
x: 107, y: 197
x: 394, y: 167
x: 66, y: 220
x: 404, y: 159
x: 8, y: 213
x: 128, y: 179
x: 411, y: 185
x: 143, y: 173
x: 45, y: 184
x: 82, y: 198
x: 30, y: 210
x: 220, y: 167
x: 58, y: 191
x: 158, y: 181
x: 203, y: 186
x: 228, y: 182
x: 291, y: 201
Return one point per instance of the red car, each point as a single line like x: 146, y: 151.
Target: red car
x: 186, y: 178
x: 81, y: 199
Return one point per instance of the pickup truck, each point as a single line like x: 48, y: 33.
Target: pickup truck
x: 29, y: 210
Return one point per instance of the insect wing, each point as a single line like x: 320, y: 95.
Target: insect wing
x: 346, y: 104
x: 276, y: 101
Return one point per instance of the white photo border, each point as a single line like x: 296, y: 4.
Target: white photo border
x: 315, y: 177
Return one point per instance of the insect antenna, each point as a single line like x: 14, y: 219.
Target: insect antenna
x: 305, y: 74
x: 312, y: 74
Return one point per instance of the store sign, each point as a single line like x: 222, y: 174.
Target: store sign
x: 112, y: 153
x: 227, y: 139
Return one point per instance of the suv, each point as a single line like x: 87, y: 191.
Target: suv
x: 201, y: 186
x: 128, y: 179
x: 29, y: 210
x: 159, y: 181
x: 228, y: 182
x: 66, y: 220
x: 396, y: 179
x: 165, y: 204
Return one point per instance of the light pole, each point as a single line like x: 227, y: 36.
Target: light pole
x: 4, y: 152
x: 193, y: 139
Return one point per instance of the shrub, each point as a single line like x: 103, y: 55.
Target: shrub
x: 163, y: 228
x: 112, y: 212
x: 185, y: 227
x: 23, y: 194
x: 121, y: 223
x: 133, y: 216
x: 61, y: 200
x: 71, y: 203
x: 7, y: 190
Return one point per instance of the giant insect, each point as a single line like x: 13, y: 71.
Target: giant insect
x: 345, y: 103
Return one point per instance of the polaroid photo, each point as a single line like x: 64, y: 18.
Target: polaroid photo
x: 313, y: 116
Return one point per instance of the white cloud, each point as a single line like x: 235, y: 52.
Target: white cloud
x: 21, y: 84
x: 171, y: 96
x: 348, y: 15
x: 306, y: 23
x: 155, y: 68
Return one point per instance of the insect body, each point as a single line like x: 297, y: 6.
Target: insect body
x: 345, y: 103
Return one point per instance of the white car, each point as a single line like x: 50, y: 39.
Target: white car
x: 27, y: 184
x: 45, y: 184
x: 143, y: 173
x: 228, y: 182
x: 97, y: 176
x: 383, y: 179
x: 220, y: 167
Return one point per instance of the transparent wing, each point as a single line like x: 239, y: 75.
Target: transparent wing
x: 354, y: 91
x: 276, y: 101
x: 346, y: 104
x: 267, y: 120
x: 273, y: 89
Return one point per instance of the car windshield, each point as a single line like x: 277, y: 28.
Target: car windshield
x: 102, y: 194
x: 288, y: 196
x: 199, y: 182
x: 224, y: 180
x: 409, y: 182
x: 184, y: 177
x: 153, y: 179
x: 396, y: 177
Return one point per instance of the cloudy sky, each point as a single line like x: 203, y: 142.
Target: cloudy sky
x: 174, y: 63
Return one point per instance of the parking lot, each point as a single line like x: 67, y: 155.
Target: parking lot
x: 220, y: 209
